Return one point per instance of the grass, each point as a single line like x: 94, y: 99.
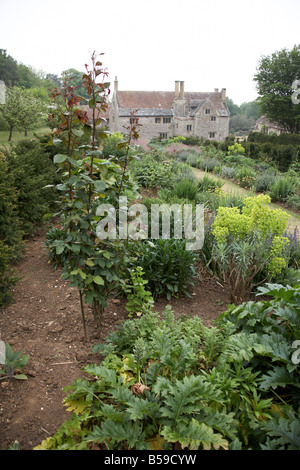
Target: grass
x: 19, y: 135
x: 294, y: 219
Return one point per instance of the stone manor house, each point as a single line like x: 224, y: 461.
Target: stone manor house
x: 166, y: 114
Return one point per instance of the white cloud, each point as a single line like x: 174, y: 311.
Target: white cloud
x: 150, y: 44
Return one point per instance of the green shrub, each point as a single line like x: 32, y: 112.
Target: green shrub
x: 220, y: 199
x: 282, y: 188
x: 10, y: 225
x: 293, y: 201
x: 240, y: 160
x: 151, y: 173
x: 228, y: 172
x: 208, y: 164
x: 139, y: 300
x: 168, y: 267
x: 209, y: 184
x: 167, y: 383
x: 32, y: 171
x: 245, y: 177
x: 186, y: 189
x: 236, y: 149
x: 264, y: 181
x: 250, y: 244
x: 182, y: 171
x: 8, y: 275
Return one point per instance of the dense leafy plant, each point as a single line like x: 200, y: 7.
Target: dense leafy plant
x: 165, y: 381
x: 24, y: 171
x: 168, y: 266
x: 95, y: 266
x: 293, y: 201
x: 282, y: 188
x: 34, y: 176
x: 245, y: 176
x: 250, y: 244
x: 8, y: 275
x: 228, y: 172
x: 236, y: 149
x: 10, y: 225
x: 139, y: 300
x: 209, y: 184
x: 186, y: 189
x: 151, y: 172
x: 264, y: 181
x: 207, y: 163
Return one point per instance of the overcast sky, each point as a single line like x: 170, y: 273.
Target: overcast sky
x: 150, y: 44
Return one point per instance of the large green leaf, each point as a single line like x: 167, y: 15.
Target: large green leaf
x: 59, y: 158
x: 194, y: 435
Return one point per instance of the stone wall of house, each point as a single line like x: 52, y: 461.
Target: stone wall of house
x: 149, y: 127
x: 210, y: 125
x: 199, y: 126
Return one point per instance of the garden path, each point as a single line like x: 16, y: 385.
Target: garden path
x: 228, y: 187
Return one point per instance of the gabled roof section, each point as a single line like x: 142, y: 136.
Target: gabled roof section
x: 160, y: 103
x: 197, y: 100
x: 145, y: 99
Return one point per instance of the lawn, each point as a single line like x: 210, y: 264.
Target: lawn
x: 18, y: 135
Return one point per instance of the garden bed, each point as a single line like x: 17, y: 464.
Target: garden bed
x: 44, y: 321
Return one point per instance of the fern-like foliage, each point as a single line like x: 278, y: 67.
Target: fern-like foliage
x: 164, y: 382
x: 283, y: 431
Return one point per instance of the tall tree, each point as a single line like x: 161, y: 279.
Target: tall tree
x: 11, y: 111
x: 32, y: 110
x: 21, y: 109
x: 274, y: 78
x: 8, y: 69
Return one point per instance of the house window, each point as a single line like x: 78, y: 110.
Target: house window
x: 166, y: 120
x: 207, y: 111
x: 133, y: 120
x: 212, y: 118
x: 163, y: 135
x: 212, y: 135
x: 189, y: 127
x: 157, y: 120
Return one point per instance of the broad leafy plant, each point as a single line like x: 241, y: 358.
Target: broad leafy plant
x: 168, y: 266
x: 95, y: 266
x: 14, y: 363
x: 166, y: 382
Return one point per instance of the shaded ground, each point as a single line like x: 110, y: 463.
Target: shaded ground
x: 45, y: 322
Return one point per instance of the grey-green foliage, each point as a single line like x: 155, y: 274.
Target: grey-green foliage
x: 232, y: 386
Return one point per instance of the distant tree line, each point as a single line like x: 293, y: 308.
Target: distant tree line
x: 243, y: 117
x: 27, y: 94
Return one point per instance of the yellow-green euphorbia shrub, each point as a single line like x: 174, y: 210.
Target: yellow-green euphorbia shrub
x: 256, y: 216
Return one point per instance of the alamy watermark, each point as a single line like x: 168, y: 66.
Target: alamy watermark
x: 188, y: 223
x: 2, y: 352
x: 296, y: 93
x: 296, y: 354
x: 2, y: 92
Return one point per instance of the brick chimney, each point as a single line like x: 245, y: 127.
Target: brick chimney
x: 176, y: 89
x: 223, y: 95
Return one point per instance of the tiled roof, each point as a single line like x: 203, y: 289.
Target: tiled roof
x: 160, y: 103
x: 145, y: 99
x: 263, y: 120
